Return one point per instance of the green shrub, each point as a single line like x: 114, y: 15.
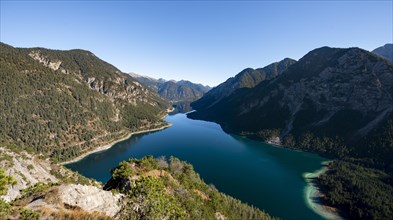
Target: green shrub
x: 5, y: 181
x: 123, y: 170
x: 28, y: 214
x: 5, y: 209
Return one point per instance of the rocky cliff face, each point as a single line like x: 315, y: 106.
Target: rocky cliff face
x: 52, y: 190
x: 97, y: 74
x: 385, y: 51
x: 25, y: 169
x: 28, y: 170
x: 77, y: 201
x: 90, y: 198
x: 248, y: 78
x: 344, y: 92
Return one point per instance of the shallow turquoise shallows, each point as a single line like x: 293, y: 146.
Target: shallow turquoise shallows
x: 265, y: 176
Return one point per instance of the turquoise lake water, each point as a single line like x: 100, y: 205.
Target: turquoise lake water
x: 265, y: 176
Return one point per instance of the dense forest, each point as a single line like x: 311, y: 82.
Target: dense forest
x: 358, y: 192
x: 63, y: 103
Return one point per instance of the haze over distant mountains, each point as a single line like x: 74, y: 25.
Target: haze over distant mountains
x: 180, y: 93
x: 385, y: 51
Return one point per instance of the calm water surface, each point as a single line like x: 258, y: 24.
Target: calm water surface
x: 267, y: 177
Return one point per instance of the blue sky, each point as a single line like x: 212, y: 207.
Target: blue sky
x: 201, y: 41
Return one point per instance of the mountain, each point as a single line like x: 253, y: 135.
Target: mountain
x: 315, y: 94
x: 385, y: 51
x: 247, y: 78
x: 336, y: 102
x: 63, y: 103
x: 180, y: 93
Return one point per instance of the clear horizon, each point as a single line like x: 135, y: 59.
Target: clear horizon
x: 203, y: 42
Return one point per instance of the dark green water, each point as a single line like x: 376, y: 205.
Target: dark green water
x: 267, y: 177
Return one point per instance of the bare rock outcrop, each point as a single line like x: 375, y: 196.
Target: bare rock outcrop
x: 72, y: 200
x: 90, y: 198
x: 26, y: 170
x: 54, y: 65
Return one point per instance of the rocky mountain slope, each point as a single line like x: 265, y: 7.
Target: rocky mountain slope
x: 41, y: 186
x: 63, y: 103
x: 247, y: 78
x: 29, y: 170
x: 385, y: 51
x: 61, y: 201
x: 316, y: 94
x: 336, y: 102
x: 180, y: 93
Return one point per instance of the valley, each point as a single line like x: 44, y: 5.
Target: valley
x: 179, y: 93
x: 251, y: 171
x: 74, y: 126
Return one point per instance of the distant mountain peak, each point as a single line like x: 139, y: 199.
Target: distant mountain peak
x: 247, y: 78
x: 135, y: 75
x: 385, y: 51
x: 180, y: 93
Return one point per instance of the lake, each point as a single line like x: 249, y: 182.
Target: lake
x: 260, y: 174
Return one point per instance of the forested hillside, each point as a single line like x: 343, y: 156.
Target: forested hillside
x: 339, y: 94
x: 63, y: 103
x: 336, y: 102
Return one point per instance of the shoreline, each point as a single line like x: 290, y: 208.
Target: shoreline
x: 111, y: 144
x: 312, y: 195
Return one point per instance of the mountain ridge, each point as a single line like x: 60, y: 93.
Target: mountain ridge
x: 308, y: 68
x: 180, y: 93
x: 247, y: 78
x: 385, y: 51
